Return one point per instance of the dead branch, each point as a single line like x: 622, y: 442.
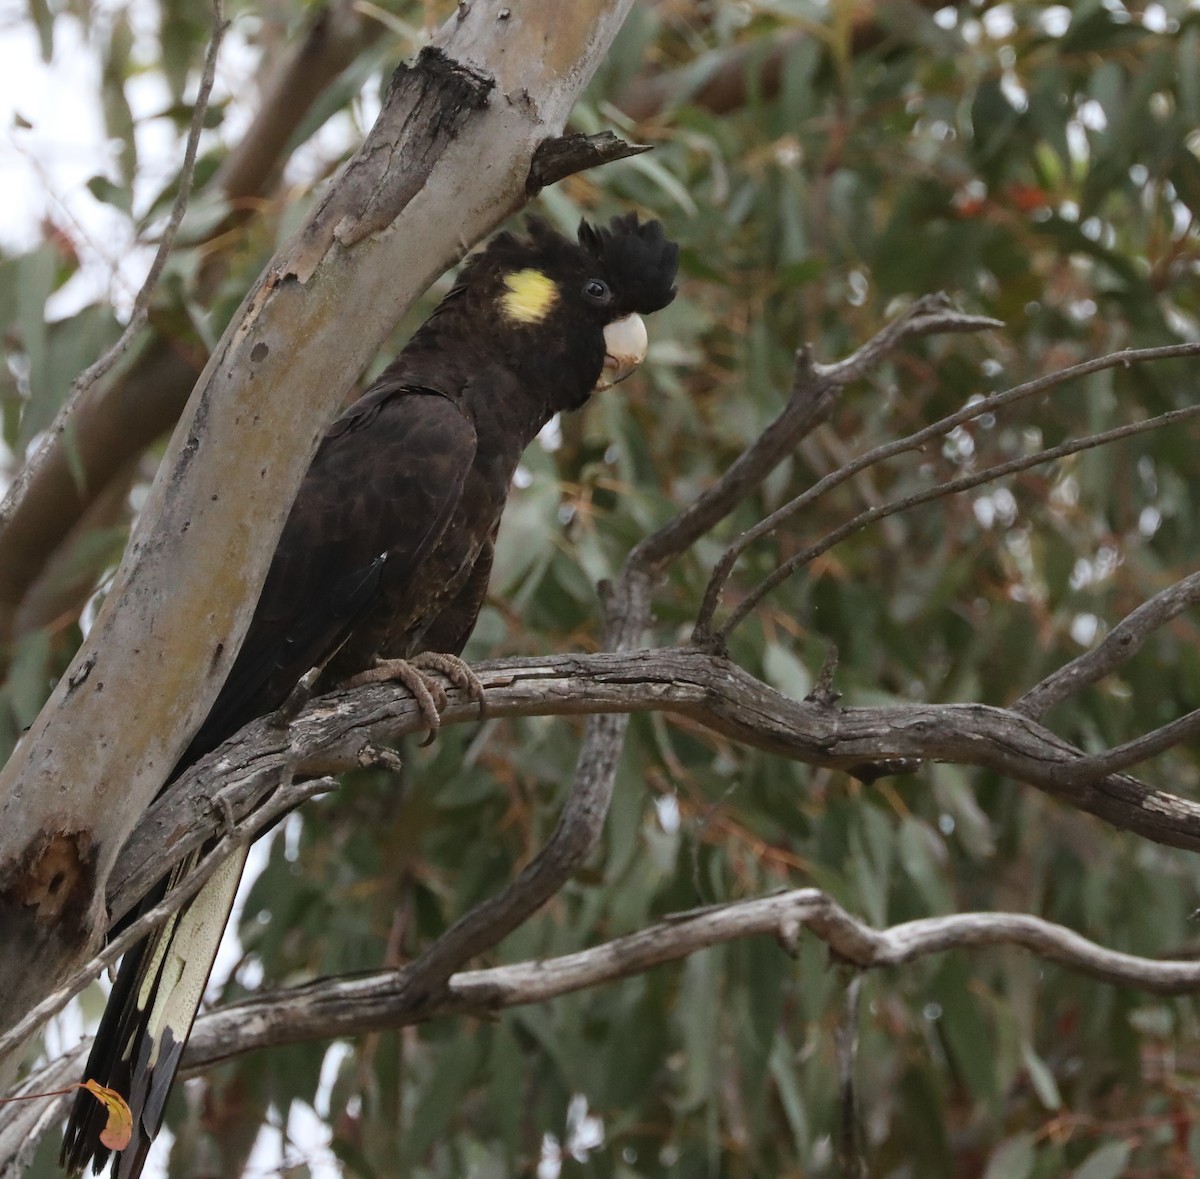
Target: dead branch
x: 328, y: 737
x: 333, y: 1008
x: 950, y: 487
x: 1119, y: 645
x: 911, y: 442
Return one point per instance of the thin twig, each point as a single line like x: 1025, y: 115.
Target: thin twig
x: 1129, y: 753
x: 914, y: 441
x: 814, y: 387
x: 87, y: 379
x: 940, y: 491
x: 286, y: 799
x: 1119, y: 645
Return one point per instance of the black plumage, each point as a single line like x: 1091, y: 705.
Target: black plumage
x: 386, y: 553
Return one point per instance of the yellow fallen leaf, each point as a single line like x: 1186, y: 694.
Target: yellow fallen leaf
x: 119, y: 1128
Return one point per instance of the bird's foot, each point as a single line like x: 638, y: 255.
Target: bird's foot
x: 457, y: 671
x: 428, y: 693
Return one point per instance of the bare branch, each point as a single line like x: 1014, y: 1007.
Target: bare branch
x: 914, y: 441
x: 87, y: 379
x: 347, y: 1006
x: 1119, y: 645
x: 940, y: 491
x: 814, y: 389
x: 329, y: 737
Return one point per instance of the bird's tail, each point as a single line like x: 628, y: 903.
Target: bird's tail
x: 148, y: 1020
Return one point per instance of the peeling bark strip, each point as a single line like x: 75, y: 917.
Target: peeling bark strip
x: 425, y: 107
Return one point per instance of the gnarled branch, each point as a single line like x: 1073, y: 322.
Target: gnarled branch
x: 976, y: 409
x: 337, y: 1007
x: 330, y: 735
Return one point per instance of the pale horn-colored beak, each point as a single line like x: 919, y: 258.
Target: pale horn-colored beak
x: 625, y: 343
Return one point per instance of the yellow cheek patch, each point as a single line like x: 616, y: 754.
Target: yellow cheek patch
x: 529, y: 297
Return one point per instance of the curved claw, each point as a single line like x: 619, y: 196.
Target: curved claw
x: 457, y: 671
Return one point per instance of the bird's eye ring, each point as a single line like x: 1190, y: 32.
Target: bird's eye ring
x: 597, y: 289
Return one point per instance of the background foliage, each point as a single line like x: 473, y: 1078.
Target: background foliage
x: 1038, y: 162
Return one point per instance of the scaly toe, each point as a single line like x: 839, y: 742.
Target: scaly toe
x: 428, y: 693
x: 457, y: 671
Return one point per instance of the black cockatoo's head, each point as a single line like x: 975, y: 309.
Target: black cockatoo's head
x: 569, y: 313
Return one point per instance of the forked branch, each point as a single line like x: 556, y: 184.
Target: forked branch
x: 974, y: 410
x: 813, y: 395
x: 940, y: 491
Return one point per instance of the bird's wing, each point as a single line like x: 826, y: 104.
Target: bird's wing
x: 381, y: 489
x: 451, y: 628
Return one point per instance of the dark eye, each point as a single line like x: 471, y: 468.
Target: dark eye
x: 597, y: 289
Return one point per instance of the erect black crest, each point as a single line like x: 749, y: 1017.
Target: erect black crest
x: 638, y: 259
